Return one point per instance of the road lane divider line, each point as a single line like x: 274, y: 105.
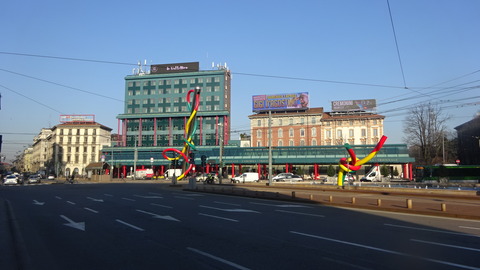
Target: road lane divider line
x: 230, y: 210
x: 160, y: 205
x: 430, y: 230
x: 232, y: 264
x: 128, y: 199
x: 91, y: 210
x: 282, y: 205
x: 129, y: 225
x: 212, y: 216
x: 386, y: 251
x: 299, y: 213
x: 71, y: 202
x: 231, y: 204
x: 445, y: 245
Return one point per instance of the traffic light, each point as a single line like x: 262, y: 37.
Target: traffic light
x: 191, y: 158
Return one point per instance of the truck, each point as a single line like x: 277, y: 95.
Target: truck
x: 373, y: 175
x: 142, y: 174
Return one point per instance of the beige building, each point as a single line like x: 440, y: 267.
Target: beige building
x: 41, y: 151
x: 77, y: 144
x: 315, y: 127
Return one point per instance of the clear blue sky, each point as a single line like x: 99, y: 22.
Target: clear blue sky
x: 337, y: 50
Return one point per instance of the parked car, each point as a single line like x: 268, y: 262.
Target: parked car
x: 33, y: 178
x: 51, y: 177
x: 11, y: 179
x: 281, y: 176
x: 288, y: 177
x: 203, y: 177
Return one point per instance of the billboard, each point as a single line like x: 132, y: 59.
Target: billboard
x: 354, y: 105
x: 72, y: 118
x: 175, y: 68
x: 293, y: 101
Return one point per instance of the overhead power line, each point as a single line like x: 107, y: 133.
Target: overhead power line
x: 69, y: 58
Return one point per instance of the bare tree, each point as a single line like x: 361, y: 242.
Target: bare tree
x: 425, y: 131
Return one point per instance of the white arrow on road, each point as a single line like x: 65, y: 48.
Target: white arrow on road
x: 38, y: 203
x: 158, y: 216
x: 73, y: 224
x: 95, y: 200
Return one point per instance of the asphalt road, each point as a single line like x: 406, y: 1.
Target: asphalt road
x: 147, y: 226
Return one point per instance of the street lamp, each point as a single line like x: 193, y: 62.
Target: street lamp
x: 220, y: 170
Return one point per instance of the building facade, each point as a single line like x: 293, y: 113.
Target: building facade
x: 41, y: 150
x: 156, y: 108
x: 77, y: 144
x: 313, y: 127
x: 468, y: 135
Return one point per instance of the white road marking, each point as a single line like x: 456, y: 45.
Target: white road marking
x: 129, y: 225
x: 232, y: 204
x: 164, y: 206
x: 95, y: 200
x: 299, y: 213
x: 148, y: 197
x: 283, y: 205
x: 91, y: 210
x: 229, y: 210
x: 58, y: 197
x: 445, y: 245
x: 73, y: 224
x: 128, y: 199
x: 232, y: 264
x: 472, y: 228
x: 430, y: 230
x: 385, y: 250
x: 38, y: 203
x: 212, y: 216
x: 184, y: 198
x: 71, y: 202
x: 158, y: 216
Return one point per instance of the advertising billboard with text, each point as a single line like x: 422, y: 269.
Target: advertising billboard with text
x: 354, y: 105
x: 175, y: 68
x: 295, y: 101
x: 73, y: 118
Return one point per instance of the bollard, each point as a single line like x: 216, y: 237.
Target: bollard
x: 353, y: 200
x: 409, y: 203
x: 444, y: 207
x: 311, y: 197
x: 293, y: 194
x: 330, y: 199
x: 379, y: 202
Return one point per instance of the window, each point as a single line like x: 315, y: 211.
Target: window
x: 302, y: 132
x: 351, y: 133
x: 259, y: 133
x: 314, y: 142
x: 328, y: 133
x: 290, y: 120
x: 291, y: 132
x: 280, y: 143
x: 339, y: 133
x: 314, y: 132
x: 259, y: 143
x: 302, y: 142
x: 290, y: 143
x: 351, y: 122
x: 259, y: 123
x: 280, y: 122
x: 314, y: 121
x: 364, y: 132
x: 375, y: 132
x: 280, y: 133
x: 302, y: 121
x: 374, y: 121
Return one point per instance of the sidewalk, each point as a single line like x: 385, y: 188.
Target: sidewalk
x: 447, y: 203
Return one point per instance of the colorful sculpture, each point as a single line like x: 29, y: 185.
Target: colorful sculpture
x: 190, y: 129
x: 351, y: 164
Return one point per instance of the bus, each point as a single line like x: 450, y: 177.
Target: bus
x: 450, y: 172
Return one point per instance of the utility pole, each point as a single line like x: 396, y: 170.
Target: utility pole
x: 270, y: 148
x: 220, y: 167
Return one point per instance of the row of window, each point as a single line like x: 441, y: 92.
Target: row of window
x: 77, y: 131
x: 79, y: 159
x: 77, y: 140
x: 313, y: 121
x: 167, y: 91
x: 77, y: 149
x: 170, y: 109
x: 314, y: 142
x: 175, y: 81
x: 328, y: 133
x: 170, y: 100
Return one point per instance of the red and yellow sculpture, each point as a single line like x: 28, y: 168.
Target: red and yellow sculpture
x: 351, y: 164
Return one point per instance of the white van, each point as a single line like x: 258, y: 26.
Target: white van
x: 246, y: 177
x: 170, y: 172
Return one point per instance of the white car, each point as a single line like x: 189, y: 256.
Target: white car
x: 287, y: 177
x: 10, y: 179
x: 34, y: 178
